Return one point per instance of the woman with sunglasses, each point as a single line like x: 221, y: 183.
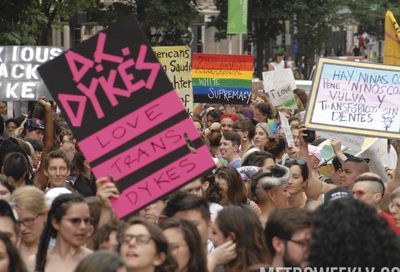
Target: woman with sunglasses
x: 297, y: 183
x: 69, y: 222
x: 143, y: 247
x: 31, y: 208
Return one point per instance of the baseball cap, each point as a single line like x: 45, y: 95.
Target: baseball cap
x: 314, y: 151
x: 34, y: 123
x: 336, y: 193
x: 53, y: 193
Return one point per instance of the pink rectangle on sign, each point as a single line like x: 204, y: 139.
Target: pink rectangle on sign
x: 163, y: 181
x: 148, y: 151
x: 131, y: 125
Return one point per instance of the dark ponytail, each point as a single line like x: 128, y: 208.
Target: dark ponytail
x: 57, y: 211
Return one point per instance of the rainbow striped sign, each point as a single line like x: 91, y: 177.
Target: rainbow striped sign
x: 223, y: 79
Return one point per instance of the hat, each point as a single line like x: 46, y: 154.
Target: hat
x: 247, y: 172
x: 33, y: 124
x: 314, y: 151
x: 266, y: 128
x: 335, y: 194
x: 53, y: 193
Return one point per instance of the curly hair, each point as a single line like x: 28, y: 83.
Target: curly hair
x: 350, y: 233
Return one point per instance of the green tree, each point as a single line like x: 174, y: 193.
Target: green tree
x: 310, y: 18
x: 265, y: 21
x: 370, y: 14
x: 165, y: 22
x: 30, y: 22
x: 312, y: 21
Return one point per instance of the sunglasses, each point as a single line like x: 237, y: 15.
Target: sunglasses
x: 291, y: 162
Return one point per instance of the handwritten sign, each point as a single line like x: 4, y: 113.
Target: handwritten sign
x: 19, y: 79
x: 127, y: 117
x: 354, y: 97
x: 223, y: 79
x: 175, y: 60
x: 280, y: 85
x: 286, y: 129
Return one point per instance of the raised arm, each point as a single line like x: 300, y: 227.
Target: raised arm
x: 315, y: 187
x: 40, y: 179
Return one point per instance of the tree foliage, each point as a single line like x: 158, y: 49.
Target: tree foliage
x: 164, y: 22
x: 370, y: 14
x: 266, y: 20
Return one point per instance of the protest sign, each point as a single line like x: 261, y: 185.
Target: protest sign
x: 279, y: 85
x: 224, y: 79
x: 128, y: 120
x: 175, y: 60
x: 19, y: 80
x: 355, y: 142
x: 376, y: 150
x: 355, y: 97
x: 286, y: 128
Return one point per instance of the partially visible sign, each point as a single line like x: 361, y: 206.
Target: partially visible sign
x: 19, y: 79
x: 279, y: 85
x: 355, y: 142
x: 237, y: 16
x: 355, y: 97
x: 128, y: 119
x: 286, y: 129
x: 222, y: 79
x: 175, y: 60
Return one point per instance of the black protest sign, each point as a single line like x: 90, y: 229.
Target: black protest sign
x: 126, y: 116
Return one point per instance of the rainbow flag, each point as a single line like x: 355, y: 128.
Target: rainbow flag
x: 222, y: 79
x: 392, y: 40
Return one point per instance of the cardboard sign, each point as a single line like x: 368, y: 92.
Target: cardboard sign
x: 222, y: 79
x: 175, y: 60
x: 19, y: 79
x: 128, y: 120
x: 286, y: 128
x: 355, y: 142
x: 377, y: 151
x: 280, y: 85
x: 354, y: 97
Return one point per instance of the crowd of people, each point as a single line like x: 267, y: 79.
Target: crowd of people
x: 265, y: 205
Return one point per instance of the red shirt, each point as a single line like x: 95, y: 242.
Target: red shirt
x: 391, y: 221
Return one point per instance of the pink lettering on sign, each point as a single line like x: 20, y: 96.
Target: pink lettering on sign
x: 163, y: 181
x: 148, y: 151
x: 130, y: 126
x: 125, y: 68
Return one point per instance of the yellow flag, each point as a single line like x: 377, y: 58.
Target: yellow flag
x: 392, y: 40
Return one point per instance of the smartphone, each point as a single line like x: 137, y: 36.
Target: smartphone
x: 310, y: 136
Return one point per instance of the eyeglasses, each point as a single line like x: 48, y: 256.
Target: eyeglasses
x: 303, y: 243
x: 28, y: 222
x: 141, y: 239
x: 78, y: 221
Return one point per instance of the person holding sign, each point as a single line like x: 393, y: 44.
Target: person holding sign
x: 278, y: 62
